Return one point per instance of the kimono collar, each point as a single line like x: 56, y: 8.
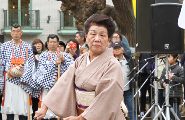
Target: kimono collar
x: 39, y: 52
x: 51, y: 54
x: 107, y: 52
x: 87, y: 71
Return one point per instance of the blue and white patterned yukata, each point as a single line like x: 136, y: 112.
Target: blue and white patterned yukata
x: 1, y: 75
x: 16, y: 92
x: 46, y: 73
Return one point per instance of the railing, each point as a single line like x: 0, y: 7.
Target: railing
x: 67, y: 20
x: 29, y: 19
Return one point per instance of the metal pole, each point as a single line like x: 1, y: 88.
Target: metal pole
x: 135, y: 75
x: 19, y: 12
x: 167, y: 90
x: 156, y: 85
x: 133, y: 103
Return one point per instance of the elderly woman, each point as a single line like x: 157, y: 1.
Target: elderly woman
x: 91, y: 88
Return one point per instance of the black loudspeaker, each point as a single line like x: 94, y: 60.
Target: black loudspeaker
x: 143, y: 34
x: 166, y: 35
x: 1, y: 38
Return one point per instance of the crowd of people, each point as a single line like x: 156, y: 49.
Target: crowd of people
x: 82, y: 79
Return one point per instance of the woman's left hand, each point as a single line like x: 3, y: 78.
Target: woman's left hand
x: 74, y: 118
x: 67, y: 48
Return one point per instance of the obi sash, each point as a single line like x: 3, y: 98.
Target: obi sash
x: 83, y: 99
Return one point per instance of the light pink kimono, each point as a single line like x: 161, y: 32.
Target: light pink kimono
x: 103, y: 75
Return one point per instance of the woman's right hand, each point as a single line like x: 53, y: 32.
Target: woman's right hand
x: 41, y: 113
x: 67, y: 48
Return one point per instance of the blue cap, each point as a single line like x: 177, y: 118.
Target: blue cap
x: 117, y: 44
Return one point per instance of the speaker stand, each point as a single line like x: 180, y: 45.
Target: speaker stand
x: 167, y: 93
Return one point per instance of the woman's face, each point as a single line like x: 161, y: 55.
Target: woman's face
x: 115, y: 38
x: 97, y: 39
x: 38, y: 47
x: 172, y: 60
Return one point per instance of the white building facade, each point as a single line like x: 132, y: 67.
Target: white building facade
x: 38, y: 19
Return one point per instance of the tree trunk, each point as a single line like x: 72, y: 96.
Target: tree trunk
x: 122, y: 13
x: 125, y: 19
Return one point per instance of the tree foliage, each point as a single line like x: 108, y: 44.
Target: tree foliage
x: 121, y: 12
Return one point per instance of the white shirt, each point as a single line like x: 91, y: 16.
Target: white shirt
x: 82, y: 45
x: 126, y: 70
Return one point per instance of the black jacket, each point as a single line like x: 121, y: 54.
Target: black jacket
x: 177, y: 78
x: 148, y: 68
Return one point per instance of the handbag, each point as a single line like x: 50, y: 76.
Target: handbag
x: 124, y: 108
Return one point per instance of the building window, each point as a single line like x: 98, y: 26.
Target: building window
x: 69, y: 20
x: 19, y: 12
x: 67, y: 24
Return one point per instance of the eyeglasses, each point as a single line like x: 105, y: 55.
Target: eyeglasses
x: 115, y: 37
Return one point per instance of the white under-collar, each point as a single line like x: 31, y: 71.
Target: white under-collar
x: 88, y: 60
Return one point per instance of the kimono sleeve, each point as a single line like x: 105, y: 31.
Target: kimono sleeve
x: 1, y: 73
x: 67, y: 63
x: 46, y: 72
x: 109, y: 94
x: 28, y: 71
x: 63, y: 102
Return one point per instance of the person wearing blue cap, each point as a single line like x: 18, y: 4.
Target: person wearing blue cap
x: 127, y: 65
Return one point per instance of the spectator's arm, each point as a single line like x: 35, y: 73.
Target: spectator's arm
x: 162, y: 78
x: 180, y: 77
x: 126, y: 45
